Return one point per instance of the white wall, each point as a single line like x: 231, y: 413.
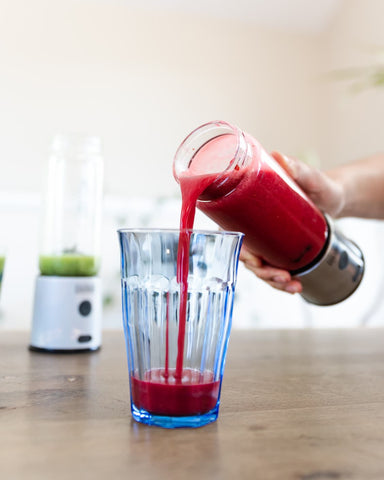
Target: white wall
x: 354, y: 42
x: 142, y: 80
x: 257, y: 305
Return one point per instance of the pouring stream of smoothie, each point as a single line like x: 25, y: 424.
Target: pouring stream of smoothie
x: 191, y: 188
x: 184, y: 391
x: 206, y: 165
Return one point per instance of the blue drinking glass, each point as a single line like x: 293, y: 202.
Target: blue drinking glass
x: 161, y: 393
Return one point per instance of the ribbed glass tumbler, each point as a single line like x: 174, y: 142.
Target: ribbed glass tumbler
x: 176, y: 353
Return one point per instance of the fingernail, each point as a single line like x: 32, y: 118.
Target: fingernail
x: 292, y: 289
x: 280, y: 279
x: 253, y: 264
x: 251, y: 261
x: 291, y: 165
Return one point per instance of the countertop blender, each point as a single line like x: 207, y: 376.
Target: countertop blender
x: 68, y: 297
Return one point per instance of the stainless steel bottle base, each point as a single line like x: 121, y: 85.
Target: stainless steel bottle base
x: 337, y: 274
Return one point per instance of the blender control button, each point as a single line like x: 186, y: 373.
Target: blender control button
x: 84, y: 338
x: 85, y: 308
x: 343, y: 261
x: 357, y: 273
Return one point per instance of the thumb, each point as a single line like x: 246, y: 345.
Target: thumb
x: 326, y: 193
x: 290, y: 165
x: 312, y: 181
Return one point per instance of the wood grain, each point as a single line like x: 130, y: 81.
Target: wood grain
x: 296, y: 405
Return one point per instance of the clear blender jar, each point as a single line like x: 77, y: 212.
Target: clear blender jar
x: 68, y: 298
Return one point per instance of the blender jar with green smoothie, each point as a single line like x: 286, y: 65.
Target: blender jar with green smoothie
x: 67, y: 308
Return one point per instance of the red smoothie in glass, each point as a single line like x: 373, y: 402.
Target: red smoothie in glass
x: 193, y: 394
x: 191, y: 188
x: 179, y: 391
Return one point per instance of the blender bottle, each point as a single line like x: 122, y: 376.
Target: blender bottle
x: 68, y: 298
x: 250, y: 192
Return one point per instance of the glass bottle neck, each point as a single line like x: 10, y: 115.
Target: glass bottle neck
x: 215, y: 148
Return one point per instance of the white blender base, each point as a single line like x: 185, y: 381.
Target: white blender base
x: 67, y: 314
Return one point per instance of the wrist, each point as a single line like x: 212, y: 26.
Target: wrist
x: 338, y: 195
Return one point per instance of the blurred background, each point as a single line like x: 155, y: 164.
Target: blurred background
x: 302, y: 77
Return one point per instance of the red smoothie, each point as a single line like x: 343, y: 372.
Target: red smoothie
x: 161, y: 394
x: 191, y: 188
x: 193, y: 183
x: 280, y: 223
x: 179, y: 391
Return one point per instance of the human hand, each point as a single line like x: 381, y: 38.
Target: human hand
x: 275, y: 277
x: 325, y: 192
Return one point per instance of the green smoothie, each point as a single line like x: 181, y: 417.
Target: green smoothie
x: 2, y: 263
x: 69, y: 265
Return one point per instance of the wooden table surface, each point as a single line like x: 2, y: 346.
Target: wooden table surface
x: 300, y: 405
